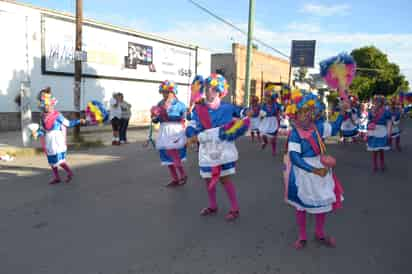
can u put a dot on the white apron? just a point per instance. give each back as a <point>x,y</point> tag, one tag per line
<point>269,125</point>
<point>315,190</point>
<point>254,123</point>
<point>213,151</point>
<point>55,142</point>
<point>171,135</point>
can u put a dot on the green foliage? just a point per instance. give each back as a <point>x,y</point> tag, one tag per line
<point>376,74</point>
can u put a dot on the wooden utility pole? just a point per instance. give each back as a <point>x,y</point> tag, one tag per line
<point>78,64</point>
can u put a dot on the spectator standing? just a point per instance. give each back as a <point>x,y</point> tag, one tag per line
<point>115,116</point>
<point>125,117</point>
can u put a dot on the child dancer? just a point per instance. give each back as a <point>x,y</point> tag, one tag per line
<point>363,122</point>
<point>396,111</point>
<point>349,126</point>
<point>171,139</point>
<point>310,185</point>
<point>213,125</point>
<point>379,132</point>
<point>53,135</point>
<point>255,119</point>
<point>270,116</point>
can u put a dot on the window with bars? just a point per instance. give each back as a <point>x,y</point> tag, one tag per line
<point>252,87</point>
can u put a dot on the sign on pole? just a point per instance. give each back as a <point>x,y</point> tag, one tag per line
<point>25,109</point>
<point>303,53</point>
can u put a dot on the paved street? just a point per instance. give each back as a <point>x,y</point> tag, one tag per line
<point>117,218</point>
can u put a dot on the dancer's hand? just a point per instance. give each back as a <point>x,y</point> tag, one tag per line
<point>83,122</point>
<point>34,134</point>
<point>322,172</point>
<point>192,140</point>
<point>249,113</point>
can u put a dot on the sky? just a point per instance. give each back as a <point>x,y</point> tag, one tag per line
<point>337,26</point>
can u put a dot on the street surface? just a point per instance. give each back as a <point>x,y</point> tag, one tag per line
<point>116,217</point>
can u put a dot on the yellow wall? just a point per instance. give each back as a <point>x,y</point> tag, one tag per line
<point>273,69</point>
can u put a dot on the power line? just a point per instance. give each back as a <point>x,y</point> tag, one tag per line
<point>235,27</point>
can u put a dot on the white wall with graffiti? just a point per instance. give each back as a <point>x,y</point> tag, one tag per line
<point>38,45</point>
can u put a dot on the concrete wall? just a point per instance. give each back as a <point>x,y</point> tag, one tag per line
<point>20,57</point>
<point>225,63</point>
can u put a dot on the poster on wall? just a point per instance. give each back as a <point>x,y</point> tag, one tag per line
<point>115,54</point>
<point>138,54</point>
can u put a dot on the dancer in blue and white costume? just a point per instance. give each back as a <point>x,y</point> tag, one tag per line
<point>363,122</point>
<point>255,119</point>
<point>215,125</point>
<point>270,115</point>
<point>171,138</point>
<point>349,126</point>
<point>379,131</point>
<point>52,133</point>
<point>310,185</point>
<point>396,111</point>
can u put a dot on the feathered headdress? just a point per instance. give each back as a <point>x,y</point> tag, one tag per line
<point>218,82</point>
<point>168,86</point>
<point>47,99</point>
<point>301,99</point>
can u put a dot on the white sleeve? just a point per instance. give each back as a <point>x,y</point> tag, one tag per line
<point>293,146</point>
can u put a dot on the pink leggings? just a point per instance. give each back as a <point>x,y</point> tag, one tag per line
<point>320,224</point>
<point>230,191</point>
<point>66,168</point>
<point>381,158</point>
<point>273,142</point>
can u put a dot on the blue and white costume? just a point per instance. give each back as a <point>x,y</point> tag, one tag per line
<point>378,137</point>
<point>396,119</point>
<point>350,124</point>
<point>363,122</point>
<point>171,135</point>
<point>213,151</point>
<point>269,124</point>
<point>255,119</point>
<point>55,139</point>
<point>306,190</point>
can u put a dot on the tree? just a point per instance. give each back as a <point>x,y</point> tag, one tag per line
<point>300,74</point>
<point>376,75</point>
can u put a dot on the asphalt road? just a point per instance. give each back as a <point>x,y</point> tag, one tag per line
<point>117,218</point>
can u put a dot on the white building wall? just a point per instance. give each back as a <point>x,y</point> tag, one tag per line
<point>13,69</point>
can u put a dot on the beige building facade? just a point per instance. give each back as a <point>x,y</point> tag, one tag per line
<point>266,69</point>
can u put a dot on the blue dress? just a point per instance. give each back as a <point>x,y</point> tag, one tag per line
<point>269,124</point>
<point>307,191</point>
<point>255,119</point>
<point>396,119</point>
<point>171,136</point>
<point>378,137</point>
<point>214,152</point>
<point>350,124</point>
<point>55,139</point>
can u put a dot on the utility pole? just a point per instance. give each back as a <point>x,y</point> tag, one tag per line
<point>249,50</point>
<point>78,64</point>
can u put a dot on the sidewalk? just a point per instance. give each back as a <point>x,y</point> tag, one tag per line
<point>94,136</point>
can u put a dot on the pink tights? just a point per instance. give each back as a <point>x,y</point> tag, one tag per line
<point>230,191</point>
<point>381,158</point>
<point>173,172</point>
<point>273,142</point>
<point>66,168</point>
<point>320,224</point>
